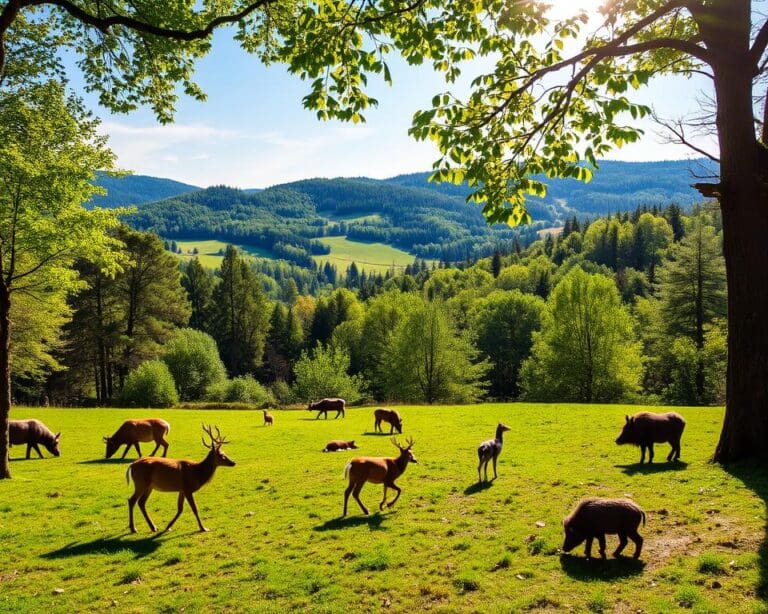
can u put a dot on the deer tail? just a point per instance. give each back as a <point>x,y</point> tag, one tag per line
<point>128,474</point>
<point>347,468</point>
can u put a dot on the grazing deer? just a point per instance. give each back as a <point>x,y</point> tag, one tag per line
<point>33,432</point>
<point>168,475</point>
<point>490,450</point>
<point>131,432</point>
<point>391,416</point>
<point>377,471</point>
<point>269,419</point>
<point>323,406</point>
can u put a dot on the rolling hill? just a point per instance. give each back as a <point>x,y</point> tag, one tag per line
<point>136,190</point>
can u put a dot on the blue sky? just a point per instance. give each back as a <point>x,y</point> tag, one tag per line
<point>253,131</point>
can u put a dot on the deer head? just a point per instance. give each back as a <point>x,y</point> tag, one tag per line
<point>219,458</point>
<point>406,451</point>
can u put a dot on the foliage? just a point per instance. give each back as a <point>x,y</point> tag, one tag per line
<point>243,389</point>
<point>193,360</point>
<point>325,373</point>
<point>585,350</point>
<point>149,385</point>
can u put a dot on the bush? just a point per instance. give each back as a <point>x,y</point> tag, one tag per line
<point>324,374</point>
<point>283,393</point>
<point>149,385</point>
<point>193,359</point>
<point>243,389</point>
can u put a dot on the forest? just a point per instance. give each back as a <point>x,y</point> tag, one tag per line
<point>624,308</point>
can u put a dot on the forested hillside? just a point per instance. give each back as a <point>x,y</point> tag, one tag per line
<point>136,189</point>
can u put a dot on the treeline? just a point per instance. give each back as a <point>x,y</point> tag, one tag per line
<point>626,308</point>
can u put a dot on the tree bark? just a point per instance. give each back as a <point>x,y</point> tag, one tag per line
<point>5,378</point>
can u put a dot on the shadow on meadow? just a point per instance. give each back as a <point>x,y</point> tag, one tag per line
<point>755,477</point>
<point>478,487</point>
<point>108,461</point>
<point>649,468</point>
<point>581,568</point>
<point>373,522</point>
<point>108,545</point>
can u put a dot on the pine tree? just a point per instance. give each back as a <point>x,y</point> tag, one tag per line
<point>198,282</point>
<point>496,263</point>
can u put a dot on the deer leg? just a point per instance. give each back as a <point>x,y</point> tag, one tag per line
<point>165,447</point>
<point>37,449</point>
<point>622,544</point>
<point>495,456</point>
<point>157,446</point>
<point>178,511</point>
<point>397,496</point>
<point>29,450</point>
<point>346,497</point>
<point>356,495</point>
<point>650,453</point>
<point>193,505</point>
<point>642,454</point>
<point>479,465</point>
<point>588,547</point>
<point>601,542</point>
<point>384,500</point>
<point>127,447</point>
<point>131,503</point>
<point>138,449</point>
<point>142,507</point>
<point>635,537</point>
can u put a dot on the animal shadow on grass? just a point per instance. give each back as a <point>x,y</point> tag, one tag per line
<point>379,434</point>
<point>109,461</point>
<point>647,468</point>
<point>754,475</point>
<point>581,568</point>
<point>107,545</point>
<point>373,522</point>
<point>478,487</point>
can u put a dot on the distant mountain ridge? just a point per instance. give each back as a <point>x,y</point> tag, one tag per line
<point>136,190</point>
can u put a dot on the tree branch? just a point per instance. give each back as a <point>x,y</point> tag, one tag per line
<point>760,44</point>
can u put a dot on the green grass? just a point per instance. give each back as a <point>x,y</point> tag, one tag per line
<point>372,257</point>
<point>209,250</point>
<point>277,542</point>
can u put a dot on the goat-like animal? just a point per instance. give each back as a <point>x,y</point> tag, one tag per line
<point>490,450</point>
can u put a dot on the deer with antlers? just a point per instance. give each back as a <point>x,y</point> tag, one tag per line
<point>169,475</point>
<point>377,471</point>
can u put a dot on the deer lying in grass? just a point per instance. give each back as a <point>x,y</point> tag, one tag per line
<point>269,419</point>
<point>168,475</point>
<point>377,471</point>
<point>490,450</point>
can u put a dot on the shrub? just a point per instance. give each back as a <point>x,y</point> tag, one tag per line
<point>243,389</point>
<point>193,360</point>
<point>324,374</point>
<point>149,385</point>
<point>282,392</point>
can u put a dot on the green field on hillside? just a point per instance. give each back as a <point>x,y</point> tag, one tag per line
<point>210,252</point>
<point>277,542</point>
<point>372,257</point>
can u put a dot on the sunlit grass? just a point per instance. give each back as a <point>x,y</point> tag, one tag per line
<point>277,542</point>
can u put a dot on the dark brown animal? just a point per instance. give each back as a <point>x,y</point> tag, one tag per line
<point>377,471</point>
<point>32,433</point>
<point>131,432</point>
<point>594,518</point>
<point>168,475</point>
<point>269,419</point>
<point>490,450</point>
<point>644,429</point>
<point>336,445</point>
<point>325,405</point>
<point>388,415</point>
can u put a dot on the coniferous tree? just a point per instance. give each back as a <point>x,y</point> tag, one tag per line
<point>198,282</point>
<point>496,264</point>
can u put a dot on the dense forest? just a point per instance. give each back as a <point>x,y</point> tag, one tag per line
<point>627,307</point>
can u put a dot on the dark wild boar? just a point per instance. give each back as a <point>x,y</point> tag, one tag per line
<point>323,406</point>
<point>594,518</point>
<point>391,417</point>
<point>645,429</point>
<point>336,445</point>
<point>131,432</point>
<point>32,433</point>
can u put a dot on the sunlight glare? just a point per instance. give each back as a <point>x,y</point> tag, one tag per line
<point>568,8</point>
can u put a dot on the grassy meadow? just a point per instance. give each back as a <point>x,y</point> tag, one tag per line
<point>277,542</point>
<point>209,251</point>
<point>371,257</point>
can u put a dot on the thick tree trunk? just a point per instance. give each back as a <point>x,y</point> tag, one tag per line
<point>5,378</point>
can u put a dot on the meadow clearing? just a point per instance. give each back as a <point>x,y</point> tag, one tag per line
<point>277,542</point>
<point>369,257</point>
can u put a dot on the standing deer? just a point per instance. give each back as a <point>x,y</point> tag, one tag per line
<point>490,450</point>
<point>269,419</point>
<point>377,471</point>
<point>131,432</point>
<point>169,475</point>
<point>323,406</point>
<point>391,416</point>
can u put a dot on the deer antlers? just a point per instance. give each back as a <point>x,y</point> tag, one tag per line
<point>216,441</point>
<point>409,441</point>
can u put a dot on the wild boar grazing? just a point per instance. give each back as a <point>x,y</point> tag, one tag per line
<point>336,445</point>
<point>391,417</point>
<point>644,429</point>
<point>594,518</point>
<point>32,433</point>
<point>131,432</point>
<point>325,405</point>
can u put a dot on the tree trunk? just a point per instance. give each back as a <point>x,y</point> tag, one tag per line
<point>743,193</point>
<point>5,378</point>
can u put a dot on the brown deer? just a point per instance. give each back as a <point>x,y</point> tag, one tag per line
<point>323,406</point>
<point>131,432</point>
<point>391,416</point>
<point>33,432</point>
<point>169,475</point>
<point>269,419</point>
<point>377,471</point>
